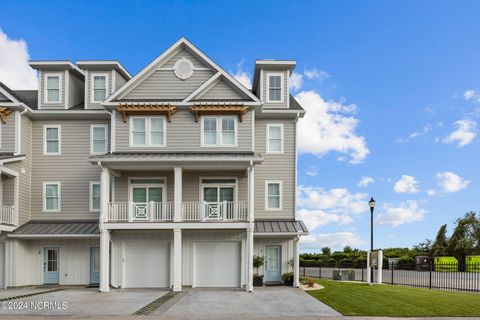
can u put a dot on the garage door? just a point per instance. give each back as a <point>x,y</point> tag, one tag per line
<point>217,264</point>
<point>147,264</point>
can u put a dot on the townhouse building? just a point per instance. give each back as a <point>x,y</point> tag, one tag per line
<point>176,177</point>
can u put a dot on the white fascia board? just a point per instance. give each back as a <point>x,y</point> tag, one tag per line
<point>115,63</point>
<point>176,225</point>
<point>279,234</point>
<point>37,64</point>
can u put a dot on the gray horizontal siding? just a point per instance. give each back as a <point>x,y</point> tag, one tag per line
<point>71,168</point>
<point>7,131</point>
<point>221,91</point>
<point>184,134</point>
<point>275,167</point>
<point>76,90</point>
<point>183,53</point>
<point>163,84</point>
<point>119,80</point>
<point>265,91</point>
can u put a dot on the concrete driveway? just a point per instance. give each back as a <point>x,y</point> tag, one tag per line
<point>80,301</point>
<point>263,303</point>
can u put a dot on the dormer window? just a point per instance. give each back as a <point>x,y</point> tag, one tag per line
<point>99,87</point>
<point>52,88</point>
<point>275,87</point>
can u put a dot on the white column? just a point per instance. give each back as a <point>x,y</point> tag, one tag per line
<point>251,193</point>
<point>104,193</point>
<point>368,267</point>
<point>296,262</point>
<point>380,266</point>
<point>177,259</point>
<point>177,197</point>
<point>104,260</point>
<point>249,259</point>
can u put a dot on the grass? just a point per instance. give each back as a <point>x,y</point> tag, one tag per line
<point>360,299</point>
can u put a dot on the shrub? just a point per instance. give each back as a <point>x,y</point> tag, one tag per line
<point>405,262</point>
<point>346,263</point>
<point>257,262</point>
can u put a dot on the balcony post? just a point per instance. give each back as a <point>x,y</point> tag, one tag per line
<point>177,197</point>
<point>104,194</point>
<point>251,193</point>
<point>249,280</point>
<point>296,262</point>
<point>177,259</point>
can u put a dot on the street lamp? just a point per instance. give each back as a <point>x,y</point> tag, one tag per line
<point>371,204</point>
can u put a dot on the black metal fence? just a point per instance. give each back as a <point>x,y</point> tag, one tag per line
<point>440,276</point>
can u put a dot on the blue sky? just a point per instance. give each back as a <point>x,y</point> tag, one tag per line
<point>393,88</point>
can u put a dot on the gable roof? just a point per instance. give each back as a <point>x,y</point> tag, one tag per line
<point>177,46</point>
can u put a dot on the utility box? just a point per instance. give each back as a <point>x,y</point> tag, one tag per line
<point>446,264</point>
<point>343,275</point>
<point>422,263</point>
<point>472,263</point>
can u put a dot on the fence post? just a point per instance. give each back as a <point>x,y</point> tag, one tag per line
<point>362,273</point>
<point>304,271</point>
<point>392,273</point>
<point>320,272</point>
<point>430,276</point>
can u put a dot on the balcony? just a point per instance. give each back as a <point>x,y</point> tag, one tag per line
<point>190,212</point>
<point>7,215</point>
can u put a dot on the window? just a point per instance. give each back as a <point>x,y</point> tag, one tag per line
<point>273,195</point>
<point>147,131</point>
<point>51,196</point>
<point>94,196</point>
<point>98,139</point>
<point>274,138</point>
<point>219,131</point>
<point>52,88</point>
<point>99,87</point>
<point>51,140</point>
<point>275,87</point>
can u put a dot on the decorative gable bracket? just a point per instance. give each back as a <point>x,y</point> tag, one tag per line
<point>146,108</point>
<point>4,112</point>
<point>218,109</point>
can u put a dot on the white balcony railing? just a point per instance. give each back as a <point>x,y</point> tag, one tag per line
<point>7,215</point>
<point>139,212</point>
<point>215,211</point>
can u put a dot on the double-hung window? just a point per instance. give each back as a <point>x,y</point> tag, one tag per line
<point>147,131</point>
<point>99,87</point>
<point>219,131</point>
<point>273,195</point>
<point>51,140</point>
<point>275,87</point>
<point>98,139</point>
<point>51,196</point>
<point>52,88</point>
<point>95,196</point>
<point>275,138</point>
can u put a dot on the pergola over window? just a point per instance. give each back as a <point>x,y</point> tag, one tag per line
<point>218,109</point>
<point>146,108</point>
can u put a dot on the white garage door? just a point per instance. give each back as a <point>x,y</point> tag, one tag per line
<point>147,264</point>
<point>217,264</point>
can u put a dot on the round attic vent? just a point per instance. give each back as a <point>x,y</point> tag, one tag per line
<point>183,68</point>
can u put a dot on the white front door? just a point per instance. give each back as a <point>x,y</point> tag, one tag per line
<point>217,264</point>
<point>147,264</point>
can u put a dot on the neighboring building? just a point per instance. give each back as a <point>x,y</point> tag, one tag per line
<point>175,177</point>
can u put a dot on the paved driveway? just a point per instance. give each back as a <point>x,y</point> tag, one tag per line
<point>82,301</point>
<point>270,302</point>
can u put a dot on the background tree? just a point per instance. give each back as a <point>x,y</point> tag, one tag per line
<point>326,251</point>
<point>463,240</point>
<point>440,245</point>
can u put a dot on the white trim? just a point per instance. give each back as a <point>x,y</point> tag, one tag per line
<point>280,182</point>
<point>18,134</point>
<point>85,94</point>
<point>253,130</point>
<point>205,85</point>
<point>67,89</point>
<point>172,225</point>
<point>92,87</point>
<point>267,143</point>
<point>90,197</point>
<point>147,185</point>
<point>44,194</point>
<point>262,97</point>
<point>218,185</point>
<point>48,126</point>
<point>60,84</point>
<point>92,127</point>
<point>112,131</point>
<point>148,132</point>
<point>219,141</point>
<point>282,87</point>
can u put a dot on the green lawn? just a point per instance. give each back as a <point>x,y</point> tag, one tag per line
<point>360,299</point>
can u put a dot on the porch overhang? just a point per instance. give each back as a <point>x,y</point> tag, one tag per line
<point>168,160</point>
<point>58,230</point>
<point>279,228</point>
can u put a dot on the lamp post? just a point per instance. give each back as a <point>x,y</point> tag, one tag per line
<point>371,204</point>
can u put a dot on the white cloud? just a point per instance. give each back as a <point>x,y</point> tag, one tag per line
<point>365,181</point>
<point>451,182</point>
<point>464,134</point>
<point>14,69</point>
<point>315,74</point>
<point>405,212</point>
<point>471,95</point>
<point>317,218</point>
<point>312,171</point>
<point>242,76</point>
<point>431,192</point>
<point>406,184</point>
<point>329,126</point>
<point>296,81</point>
<point>336,240</point>
<point>336,200</point>
<point>415,134</point>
